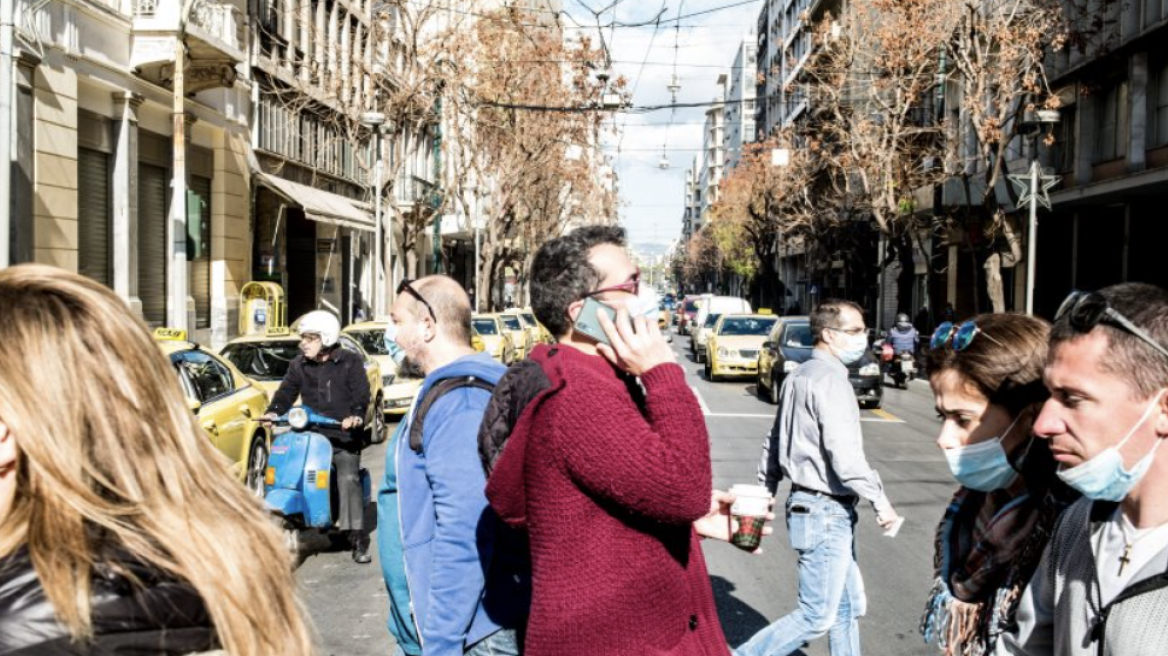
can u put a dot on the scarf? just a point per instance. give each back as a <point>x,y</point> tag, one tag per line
<point>988,545</point>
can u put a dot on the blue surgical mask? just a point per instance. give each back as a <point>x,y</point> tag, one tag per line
<point>853,349</point>
<point>391,346</point>
<point>1103,477</point>
<point>983,466</point>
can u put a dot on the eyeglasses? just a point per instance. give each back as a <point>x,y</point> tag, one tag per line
<point>408,288</point>
<point>959,336</point>
<point>1085,310</point>
<point>631,286</point>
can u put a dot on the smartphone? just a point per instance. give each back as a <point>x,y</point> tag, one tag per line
<point>588,322</point>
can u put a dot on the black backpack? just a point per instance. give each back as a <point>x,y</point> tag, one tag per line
<point>437,391</point>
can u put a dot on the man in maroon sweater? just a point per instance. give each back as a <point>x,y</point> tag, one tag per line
<point>609,476</point>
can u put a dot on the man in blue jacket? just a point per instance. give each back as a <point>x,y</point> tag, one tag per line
<point>454,572</point>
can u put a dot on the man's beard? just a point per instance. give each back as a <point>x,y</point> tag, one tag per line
<point>410,368</point>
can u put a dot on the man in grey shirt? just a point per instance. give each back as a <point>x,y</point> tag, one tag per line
<point>817,443</point>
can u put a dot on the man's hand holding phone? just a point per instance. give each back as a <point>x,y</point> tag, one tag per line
<point>635,345</point>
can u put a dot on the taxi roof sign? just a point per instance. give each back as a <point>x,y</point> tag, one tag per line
<point>765,311</point>
<point>170,334</point>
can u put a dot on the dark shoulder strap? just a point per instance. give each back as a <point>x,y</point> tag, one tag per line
<point>437,391</point>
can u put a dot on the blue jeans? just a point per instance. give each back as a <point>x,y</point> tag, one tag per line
<point>504,642</point>
<point>831,592</point>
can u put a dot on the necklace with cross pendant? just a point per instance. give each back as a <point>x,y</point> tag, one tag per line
<point>1128,544</point>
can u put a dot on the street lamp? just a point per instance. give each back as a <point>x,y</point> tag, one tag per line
<point>1034,188</point>
<point>376,122</point>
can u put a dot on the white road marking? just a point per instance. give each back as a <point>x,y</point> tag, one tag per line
<point>701,401</point>
<point>742,415</point>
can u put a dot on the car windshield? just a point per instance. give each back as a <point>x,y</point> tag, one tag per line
<point>262,360</point>
<point>746,326</point>
<point>711,319</point>
<point>486,326</point>
<point>373,341</point>
<point>512,322</point>
<point>798,335</point>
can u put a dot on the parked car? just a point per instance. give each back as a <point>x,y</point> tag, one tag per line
<point>689,310</point>
<point>790,344</point>
<point>224,401</point>
<point>520,335</point>
<point>265,359</point>
<point>498,341</point>
<point>734,345</point>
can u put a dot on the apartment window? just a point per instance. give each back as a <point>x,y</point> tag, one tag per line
<point>1112,137</point>
<point>1160,108</point>
<point>1064,143</point>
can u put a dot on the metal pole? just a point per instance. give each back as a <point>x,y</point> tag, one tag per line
<point>7,125</point>
<point>1032,237</point>
<point>379,262</point>
<point>177,306</point>
<point>389,244</point>
<point>477,263</point>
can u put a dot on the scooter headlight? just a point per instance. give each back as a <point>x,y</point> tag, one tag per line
<point>298,418</point>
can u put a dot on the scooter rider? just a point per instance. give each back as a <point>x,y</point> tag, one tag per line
<point>332,382</point>
<point>904,336</point>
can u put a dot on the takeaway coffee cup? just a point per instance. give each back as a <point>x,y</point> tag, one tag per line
<point>749,510</point>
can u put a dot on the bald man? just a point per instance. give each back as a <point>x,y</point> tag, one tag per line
<point>457,577</point>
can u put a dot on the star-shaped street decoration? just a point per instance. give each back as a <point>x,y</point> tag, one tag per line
<point>1046,182</point>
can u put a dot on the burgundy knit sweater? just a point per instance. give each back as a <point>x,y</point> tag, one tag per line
<point>608,484</point>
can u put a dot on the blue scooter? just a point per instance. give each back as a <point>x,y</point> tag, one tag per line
<point>298,483</point>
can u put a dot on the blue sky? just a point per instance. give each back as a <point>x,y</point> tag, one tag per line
<point>651,198</point>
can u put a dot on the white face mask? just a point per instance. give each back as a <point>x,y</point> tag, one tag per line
<point>1103,478</point>
<point>853,347</point>
<point>983,466</point>
<point>647,303</point>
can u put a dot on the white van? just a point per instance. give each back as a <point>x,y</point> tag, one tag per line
<point>717,305</point>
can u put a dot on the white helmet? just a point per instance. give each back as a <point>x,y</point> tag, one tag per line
<point>322,323</point>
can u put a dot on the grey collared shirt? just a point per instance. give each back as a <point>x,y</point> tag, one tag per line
<point>816,441</point>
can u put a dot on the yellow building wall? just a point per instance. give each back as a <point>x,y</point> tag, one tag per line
<point>55,157</point>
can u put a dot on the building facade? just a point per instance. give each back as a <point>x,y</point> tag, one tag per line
<point>740,99</point>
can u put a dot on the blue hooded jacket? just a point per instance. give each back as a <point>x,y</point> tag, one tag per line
<point>458,593</point>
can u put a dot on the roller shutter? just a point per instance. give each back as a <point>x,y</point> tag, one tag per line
<point>152,191</point>
<point>94,216</point>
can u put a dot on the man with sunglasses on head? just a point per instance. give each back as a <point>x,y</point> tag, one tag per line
<point>332,381</point>
<point>817,443</point>
<point>1102,585</point>
<point>458,581</point>
<point>603,456</point>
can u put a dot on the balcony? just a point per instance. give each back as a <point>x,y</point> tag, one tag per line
<point>214,34</point>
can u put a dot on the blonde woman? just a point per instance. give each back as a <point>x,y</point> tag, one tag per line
<point>121,530</point>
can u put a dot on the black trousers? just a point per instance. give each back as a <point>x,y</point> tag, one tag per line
<point>350,495</point>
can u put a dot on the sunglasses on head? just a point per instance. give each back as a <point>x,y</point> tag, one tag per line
<point>407,287</point>
<point>1085,310</point>
<point>631,286</point>
<point>957,336</point>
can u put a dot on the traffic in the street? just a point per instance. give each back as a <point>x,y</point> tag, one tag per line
<point>751,591</point>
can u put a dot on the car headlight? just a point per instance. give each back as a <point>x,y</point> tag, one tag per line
<point>724,353</point>
<point>872,369</point>
<point>789,366</point>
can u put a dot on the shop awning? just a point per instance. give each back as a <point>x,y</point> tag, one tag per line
<point>319,205</point>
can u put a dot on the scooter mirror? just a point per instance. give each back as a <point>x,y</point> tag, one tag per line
<point>298,418</point>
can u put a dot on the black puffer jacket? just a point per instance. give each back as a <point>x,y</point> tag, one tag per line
<point>523,382</point>
<point>159,616</point>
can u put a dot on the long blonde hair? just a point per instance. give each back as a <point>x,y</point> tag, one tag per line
<point>109,453</point>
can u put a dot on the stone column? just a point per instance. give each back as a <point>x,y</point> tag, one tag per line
<point>125,197</point>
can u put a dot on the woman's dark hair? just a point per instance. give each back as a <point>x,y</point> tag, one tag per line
<point>561,273</point>
<point>1004,362</point>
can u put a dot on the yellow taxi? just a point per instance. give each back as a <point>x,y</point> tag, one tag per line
<point>398,387</point>
<point>520,335</point>
<point>265,359</point>
<point>224,402</point>
<point>496,337</point>
<point>538,334</point>
<point>733,345</point>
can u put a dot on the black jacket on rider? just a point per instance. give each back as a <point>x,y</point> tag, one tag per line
<point>336,388</point>
<point>135,610</point>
